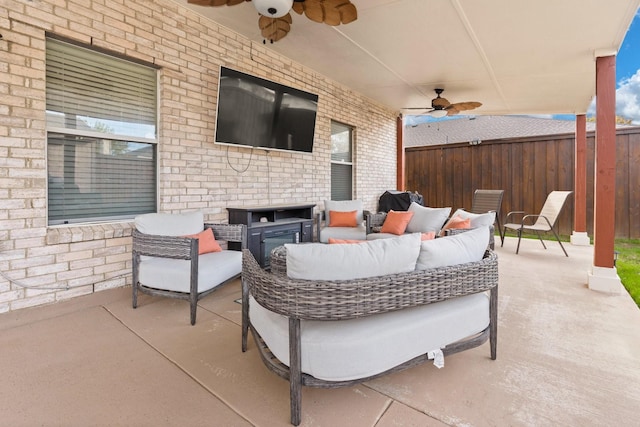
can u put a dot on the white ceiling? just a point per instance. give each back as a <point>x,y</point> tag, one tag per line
<point>514,56</point>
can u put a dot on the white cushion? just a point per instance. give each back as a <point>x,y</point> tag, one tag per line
<point>214,269</point>
<point>426,219</point>
<point>358,348</point>
<point>349,233</point>
<point>166,224</point>
<point>317,261</point>
<point>477,220</point>
<point>451,250</point>
<point>343,206</point>
<point>376,236</point>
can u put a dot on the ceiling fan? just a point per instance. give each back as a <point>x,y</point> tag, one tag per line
<point>441,107</point>
<point>275,19</point>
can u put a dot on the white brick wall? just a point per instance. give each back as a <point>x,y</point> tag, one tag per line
<point>57,263</point>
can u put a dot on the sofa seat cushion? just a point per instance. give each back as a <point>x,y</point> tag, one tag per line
<point>358,348</point>
<point>168,274</point>
<point>347,233</point>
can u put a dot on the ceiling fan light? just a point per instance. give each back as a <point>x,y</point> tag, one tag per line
<point>438,113</point>
<point>273,8</point>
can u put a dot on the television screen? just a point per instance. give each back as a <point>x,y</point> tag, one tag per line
<point>255,112</point>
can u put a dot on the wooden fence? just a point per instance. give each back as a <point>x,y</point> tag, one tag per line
<point>527,169</point>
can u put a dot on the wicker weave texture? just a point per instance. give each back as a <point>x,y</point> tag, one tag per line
<point>348,299</point>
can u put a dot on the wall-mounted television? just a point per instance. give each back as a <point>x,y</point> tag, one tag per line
<point>259,113</point>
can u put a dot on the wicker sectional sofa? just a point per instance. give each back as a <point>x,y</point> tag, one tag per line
<point>305,328</point>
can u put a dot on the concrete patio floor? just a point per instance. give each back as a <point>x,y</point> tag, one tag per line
<point>566,356</point>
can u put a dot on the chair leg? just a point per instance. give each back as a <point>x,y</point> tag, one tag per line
<point>541,241</point>
<point>558,239</point>
<point>519,238</point>
<point>193,302</point>
<point>134,295</point>
<point>500,231</point>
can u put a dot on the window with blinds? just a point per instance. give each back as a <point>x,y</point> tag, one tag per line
<point>341,161</point>
<point>101,135</point>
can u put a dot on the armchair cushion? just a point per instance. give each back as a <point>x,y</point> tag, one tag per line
<point>174,274</point>
<point>450,250</point>
<point>316,261</point>
<point>343,219</point>
<point>165,224</point>
<point>396,222</point>
<point>426,219</point>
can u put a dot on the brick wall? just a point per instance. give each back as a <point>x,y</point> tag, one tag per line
<point>41,264</point>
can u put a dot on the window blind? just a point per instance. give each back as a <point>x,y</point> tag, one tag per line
<point>84,86</point>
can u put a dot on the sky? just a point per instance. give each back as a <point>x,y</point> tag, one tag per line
<point>627,78</point>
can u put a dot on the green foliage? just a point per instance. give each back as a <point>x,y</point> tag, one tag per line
<point>628,266</point>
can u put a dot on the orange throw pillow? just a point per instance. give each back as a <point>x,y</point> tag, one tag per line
<point>428,236</point>
<point>343,219</point>
<point>457,222</point>
<point>396,222</point>
<point>332,241</point>
<point>206,242</point>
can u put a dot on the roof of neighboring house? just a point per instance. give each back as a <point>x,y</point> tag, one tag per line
<point>472,128</point>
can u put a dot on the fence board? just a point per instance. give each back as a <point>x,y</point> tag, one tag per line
<point>527,169</point>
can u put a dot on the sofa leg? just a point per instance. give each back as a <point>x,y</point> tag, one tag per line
<point>295,374</point>
<point>245,313</point>
<point>493,322</point>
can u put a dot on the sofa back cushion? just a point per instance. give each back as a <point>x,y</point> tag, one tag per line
<point>344,206</point>
<point>166,224</point>
<point>317,261</point>
<point>426,219</point>
<point>451,250</point>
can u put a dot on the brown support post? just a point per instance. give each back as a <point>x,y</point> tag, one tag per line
<point>400,179</point>
<point>579,236</point>
<point>603,276</point>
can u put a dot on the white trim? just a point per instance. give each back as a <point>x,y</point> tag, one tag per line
<point>580,238</point>
<point>603,279</point>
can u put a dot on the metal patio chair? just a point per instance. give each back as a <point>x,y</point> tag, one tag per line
<point>544,221</point>
<point>488,201</point>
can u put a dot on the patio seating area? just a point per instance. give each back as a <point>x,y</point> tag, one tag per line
<point>566,356</point>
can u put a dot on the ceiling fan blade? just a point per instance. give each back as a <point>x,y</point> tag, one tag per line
<point>452,111</point>
<point>462,106</point>
<point>348,12</point>
<point>331,12</point>
<point>216,2</point>
<point>275,29</point>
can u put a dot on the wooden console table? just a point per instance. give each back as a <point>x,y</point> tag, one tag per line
<point>272,226</point>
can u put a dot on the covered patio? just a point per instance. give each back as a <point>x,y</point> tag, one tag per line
<point>566,356</point>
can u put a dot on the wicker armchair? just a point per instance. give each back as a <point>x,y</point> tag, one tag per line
<point>170,266</point>
<point>307,300</point>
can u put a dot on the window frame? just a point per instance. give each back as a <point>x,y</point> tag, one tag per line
<point>349,162</point>
<point>61,132</point>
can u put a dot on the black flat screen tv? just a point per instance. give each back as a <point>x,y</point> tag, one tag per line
<point>259,113</point>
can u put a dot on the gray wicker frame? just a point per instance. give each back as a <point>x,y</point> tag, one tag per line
<point>348,299</point>
<point>179,248</point>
